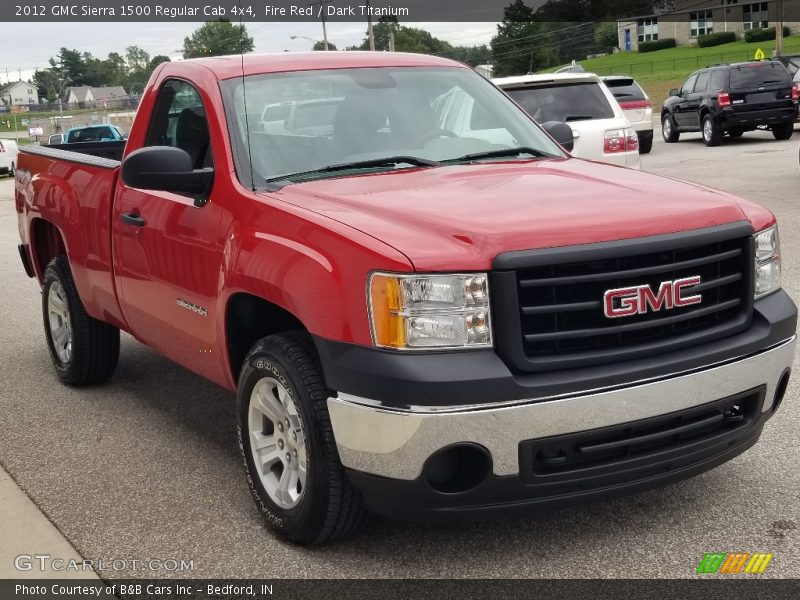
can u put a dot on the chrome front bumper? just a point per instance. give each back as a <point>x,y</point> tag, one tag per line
<point>396,443</point>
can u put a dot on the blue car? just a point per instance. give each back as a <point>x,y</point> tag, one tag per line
<point>93,133</point>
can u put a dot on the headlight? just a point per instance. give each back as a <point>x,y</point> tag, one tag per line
<point>768,261</point>
<point>419,312</point>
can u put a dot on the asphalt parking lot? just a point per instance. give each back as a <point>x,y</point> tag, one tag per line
<point>147,466</point>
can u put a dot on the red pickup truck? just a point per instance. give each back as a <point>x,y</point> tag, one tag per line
<point>425,306</point>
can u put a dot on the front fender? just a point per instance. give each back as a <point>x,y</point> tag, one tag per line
<point>316,270</point>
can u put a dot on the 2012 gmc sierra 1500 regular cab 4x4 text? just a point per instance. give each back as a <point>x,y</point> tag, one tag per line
<point>427,308</point>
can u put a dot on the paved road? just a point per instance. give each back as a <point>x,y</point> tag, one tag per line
<point>147,467</point>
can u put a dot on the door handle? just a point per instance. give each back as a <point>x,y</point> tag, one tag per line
<point>132,219</point>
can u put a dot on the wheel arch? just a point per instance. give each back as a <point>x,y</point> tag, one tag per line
<point>248,318</point>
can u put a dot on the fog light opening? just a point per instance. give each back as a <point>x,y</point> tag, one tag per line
<point>457,468</point>
<point>780,391</point>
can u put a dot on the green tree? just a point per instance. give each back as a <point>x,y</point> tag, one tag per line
<point>137,59</point>
<point>606,36</point>
<point>157,60</point>
<point>69,65</point>
<point>48,82</point>
<point>521,44</point>
<point>320,45</point>
<point>217,38</point>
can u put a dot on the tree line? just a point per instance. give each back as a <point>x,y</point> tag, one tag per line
<point>132,69</point>
<point>526,40</point>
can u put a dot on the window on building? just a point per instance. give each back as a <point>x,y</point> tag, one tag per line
<point>702,22</point>
<point>648,29</point>
<point>755,16</point>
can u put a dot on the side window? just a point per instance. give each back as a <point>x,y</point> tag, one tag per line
<point>179,120</point>
<point>717,80</point>
<point>702,82</point>
<point>689,85</point>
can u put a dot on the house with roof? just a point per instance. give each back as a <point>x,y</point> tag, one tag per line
<point>685,20</point>
<point>19,93</point>
<point>100,97</point>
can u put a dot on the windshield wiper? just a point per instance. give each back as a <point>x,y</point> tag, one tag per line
<point>391,161</point>
<point>569,118</point>
<point>501,153</point>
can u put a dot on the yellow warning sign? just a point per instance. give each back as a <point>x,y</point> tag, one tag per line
<point>760,54</point>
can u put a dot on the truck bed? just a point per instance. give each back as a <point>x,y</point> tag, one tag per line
<point>112,150</point>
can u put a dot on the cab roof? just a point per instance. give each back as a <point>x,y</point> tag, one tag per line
<point>544,79</point>
<point>228,67</point>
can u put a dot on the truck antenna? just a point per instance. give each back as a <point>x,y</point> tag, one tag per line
<point>244,96</point>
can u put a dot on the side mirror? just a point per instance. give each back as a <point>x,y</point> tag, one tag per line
<point>166,169</point>
<point>560,132</point>
<point>674,92</point>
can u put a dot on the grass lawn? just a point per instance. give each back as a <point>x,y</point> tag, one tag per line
<point>659,71</point>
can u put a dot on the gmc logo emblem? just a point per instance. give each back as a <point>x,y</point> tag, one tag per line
<point>637,300</point>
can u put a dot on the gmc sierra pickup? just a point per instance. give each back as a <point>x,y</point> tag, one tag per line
<point>426,307</point>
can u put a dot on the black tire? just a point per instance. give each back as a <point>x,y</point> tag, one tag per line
<point>668,130</point>
<point>646,143</point>
<point>784,131</point>
<point>735,133</point>
<point>13,170</point>
<point>94,349</point>
<point>712,133</point>
<point>330,507</point>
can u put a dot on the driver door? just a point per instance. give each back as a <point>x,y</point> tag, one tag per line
<point>681,108</point>
<point>168,249</point>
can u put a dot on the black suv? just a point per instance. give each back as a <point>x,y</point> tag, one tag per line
<point>732,99</point>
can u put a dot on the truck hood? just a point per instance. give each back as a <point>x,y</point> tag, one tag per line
<point>461,217</point>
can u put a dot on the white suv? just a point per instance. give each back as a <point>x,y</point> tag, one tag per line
<point>599,127</point>
<point>8,157</point>
<point>636,107</point>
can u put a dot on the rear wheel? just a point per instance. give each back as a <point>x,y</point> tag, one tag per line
<point>84,350</point>
<point>668,131</point>
<point>645,143</point>
<point>712,134</point>
<point>783,131</point>
<point>288,446</point>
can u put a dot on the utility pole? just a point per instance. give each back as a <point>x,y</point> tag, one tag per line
<point>323,15</point>
<point>779,28</point>
<point>370,33</point>
<point>391,41</point>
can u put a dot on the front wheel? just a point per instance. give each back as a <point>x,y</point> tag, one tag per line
<point>712,134</point>
<point>783,131</point>
<point>668,131</point>
<point>84,350</point>
<point>288,446</point>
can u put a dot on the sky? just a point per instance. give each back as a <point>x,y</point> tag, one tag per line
<point>34,43</point>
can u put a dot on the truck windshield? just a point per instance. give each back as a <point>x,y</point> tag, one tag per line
<point>301,124</point>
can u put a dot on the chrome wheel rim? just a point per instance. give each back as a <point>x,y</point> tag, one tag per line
<point>277,442</point>
<point>59,322</point>
<point>666,127</point>
<point>707,130</point>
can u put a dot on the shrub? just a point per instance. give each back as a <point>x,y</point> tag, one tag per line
<point>715,39</point>
<point>657,45</point>
<point>762,35</point>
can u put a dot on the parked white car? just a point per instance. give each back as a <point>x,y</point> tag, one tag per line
<point>8,157</point>
<point>636,107</point>
<point>581,100</point>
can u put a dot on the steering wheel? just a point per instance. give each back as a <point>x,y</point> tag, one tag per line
<point>435,134</point>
